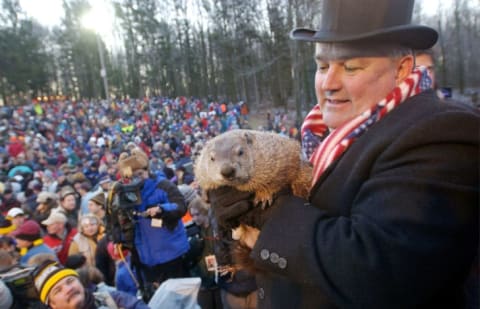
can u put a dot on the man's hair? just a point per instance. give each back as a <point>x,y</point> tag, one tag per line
<point>341,50</point>
<point>90,275</point>
<point>429,52</point>
<point>400,51</point>
<point>198,204</point>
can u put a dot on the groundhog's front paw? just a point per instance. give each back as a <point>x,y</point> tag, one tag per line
<point>263,200</point>
<point>246,235</point>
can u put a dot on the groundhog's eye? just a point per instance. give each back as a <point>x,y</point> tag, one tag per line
<point>212,159</point>
<point>240,152</point>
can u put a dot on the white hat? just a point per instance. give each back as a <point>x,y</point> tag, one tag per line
<point>54,217</point>
<point>15,211</point>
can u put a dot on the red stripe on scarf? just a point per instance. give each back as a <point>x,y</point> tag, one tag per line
<point>335,144</point>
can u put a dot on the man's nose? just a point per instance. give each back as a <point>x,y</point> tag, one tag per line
<point>331,79</point>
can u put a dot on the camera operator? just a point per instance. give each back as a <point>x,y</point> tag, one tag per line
<point>160,240</point>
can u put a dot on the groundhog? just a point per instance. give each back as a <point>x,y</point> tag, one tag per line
<point>253,161</point>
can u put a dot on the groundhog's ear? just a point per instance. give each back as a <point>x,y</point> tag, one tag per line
<point>249,138</point>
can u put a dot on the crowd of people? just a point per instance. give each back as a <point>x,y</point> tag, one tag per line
<point>59,159</point>
<point>100,199</point>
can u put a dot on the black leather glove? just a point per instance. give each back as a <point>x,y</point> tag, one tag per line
<point>229,204</point>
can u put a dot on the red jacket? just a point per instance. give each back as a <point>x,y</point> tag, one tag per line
<point>60,246</point>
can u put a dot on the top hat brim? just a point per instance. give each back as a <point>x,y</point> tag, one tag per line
<point>413,36</point>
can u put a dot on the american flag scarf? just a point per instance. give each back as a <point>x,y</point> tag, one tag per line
<point>322,147</point>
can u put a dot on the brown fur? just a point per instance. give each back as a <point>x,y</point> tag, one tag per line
<point>253,161</point>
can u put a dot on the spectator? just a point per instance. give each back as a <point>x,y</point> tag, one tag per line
<point>91,230</point>
<point>60,288</point>
<point>59,234</point>
<point>6,226</point>
<point>9,200</point>
<point>96,206</point>
<point>46,202</point>
<point>17,216</point>
<point>29,241</point>
<point>92,279</point>
<point>68,204</point>
<point>126,279</point>
<point>207,266</point>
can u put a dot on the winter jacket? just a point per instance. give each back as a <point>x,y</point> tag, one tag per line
<point>392,223</point>
<point>155,243</point>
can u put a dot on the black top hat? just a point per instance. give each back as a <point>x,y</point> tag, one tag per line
<point>369,20</point>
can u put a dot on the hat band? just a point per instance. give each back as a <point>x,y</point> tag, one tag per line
<point>51,281</point>
<point>8,229</point>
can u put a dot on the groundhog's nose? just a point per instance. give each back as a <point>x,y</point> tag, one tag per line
<point>227,171</point>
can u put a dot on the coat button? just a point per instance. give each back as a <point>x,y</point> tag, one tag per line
<point>261,293</point>
<point>264,254</point>
<point>282,263</point>
<point>274,258</point>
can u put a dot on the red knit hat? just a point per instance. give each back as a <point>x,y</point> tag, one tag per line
<point>29,230</point>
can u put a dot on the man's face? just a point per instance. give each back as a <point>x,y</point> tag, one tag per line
<point>18,220</point>
<point>69,202</point>
<point>67,293</point>
<point>347,87</point>
<point>426,61</point>
<point>199,218</point>
<point>140,174</point>
<point>22,243</point>
<point>55,228</point>
<point>93,207</point>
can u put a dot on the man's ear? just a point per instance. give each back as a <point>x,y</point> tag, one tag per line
<point>405,66</point>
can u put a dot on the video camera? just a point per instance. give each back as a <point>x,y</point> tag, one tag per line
<point>20,281</point>
<point>121,202</point>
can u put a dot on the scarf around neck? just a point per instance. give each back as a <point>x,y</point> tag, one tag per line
<point>322,147</point>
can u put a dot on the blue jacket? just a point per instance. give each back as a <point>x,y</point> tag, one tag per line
<point>41,248</point>
<point>158,245</point>
<point>123,279</point>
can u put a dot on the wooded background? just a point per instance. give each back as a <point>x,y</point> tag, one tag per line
<point>229,50</point>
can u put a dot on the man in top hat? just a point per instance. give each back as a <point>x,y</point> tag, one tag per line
<point>392,217</point>
<point>29,240</point>
<point>61,288</point>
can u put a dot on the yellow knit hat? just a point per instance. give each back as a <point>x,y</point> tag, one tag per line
<point>47,275</point>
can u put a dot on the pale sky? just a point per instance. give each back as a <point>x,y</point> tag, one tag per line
<point>50,13</point>
<point>46,12</point>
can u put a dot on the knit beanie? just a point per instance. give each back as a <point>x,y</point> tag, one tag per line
<point>6,226</point>
<point>67,190</point>
<point>99,199</point>
<point>128,163</point>
<point>47,275</point>
<point>29,230</point>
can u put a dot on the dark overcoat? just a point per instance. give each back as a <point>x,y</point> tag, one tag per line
<point>393,223</point>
